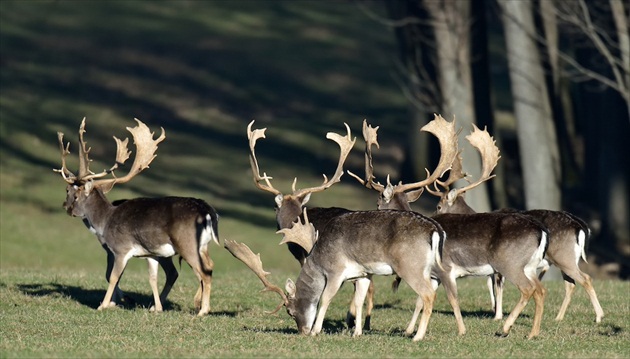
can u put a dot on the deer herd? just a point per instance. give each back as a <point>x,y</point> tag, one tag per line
<point>335,245</point>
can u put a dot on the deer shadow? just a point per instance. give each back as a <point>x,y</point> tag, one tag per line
<point>90,297</point>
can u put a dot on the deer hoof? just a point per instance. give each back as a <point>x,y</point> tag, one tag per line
<point>501,334</point>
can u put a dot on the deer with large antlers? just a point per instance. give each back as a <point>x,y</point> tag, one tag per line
<point>152,228</point>
<point>290,206</point>
<point>567,232</point>
<point>355,246</point>
<point>477,244</point>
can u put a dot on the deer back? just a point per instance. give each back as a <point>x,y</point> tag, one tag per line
<point>373,242</point>
<point>157,225</point>
<point>496,239</point>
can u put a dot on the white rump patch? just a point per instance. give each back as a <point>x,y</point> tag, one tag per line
<point>579,247</point>
<point>537,257</point>
<point>207,234</point>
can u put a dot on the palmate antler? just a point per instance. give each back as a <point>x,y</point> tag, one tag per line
<point>302,234</point>
<point>146,147</point>
<point>345,144</point>
<point>446,135</point>
<point>489,152</point>
<point>242,252</point>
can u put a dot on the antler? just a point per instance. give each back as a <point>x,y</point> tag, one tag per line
<point>345,144</point>
<point>303,235</point>
<point>447,136</point>
<point>486,145</point>
<point>369,134</point>
<point>65,151</point>
<point>440,128</point>
<point>253,136</point>
<point>242,252</point>
<point>146,147</point>
<point>145,153</point>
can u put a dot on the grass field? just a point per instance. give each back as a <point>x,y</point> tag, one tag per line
<point>52,314</point>
<point>203,70</point>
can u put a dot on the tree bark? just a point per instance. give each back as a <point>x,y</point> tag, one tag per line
<point>538,147</point>
<point>451,22</point>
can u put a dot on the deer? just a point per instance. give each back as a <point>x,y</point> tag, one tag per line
<point>479,244</point>
<point>567,235</point>
<point>289,207</point>
<point>355,246</point>
<point>151,228</point>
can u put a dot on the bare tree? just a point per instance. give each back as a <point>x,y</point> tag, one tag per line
<point>539,152</point>
<point>588,23</point>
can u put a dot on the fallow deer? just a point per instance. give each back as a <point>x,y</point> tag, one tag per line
<point>567,233</point>
<point>355,246</point>
<point>478,244</point>
<point>289,207</point>
<point>153,228</point>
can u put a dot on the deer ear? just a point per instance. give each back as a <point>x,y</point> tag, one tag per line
<point>388,192</point>
<point>279,199</point>
<point>451,196</point>
<point>89,185</point>
<point>290,287</point>
<point>306,198</point>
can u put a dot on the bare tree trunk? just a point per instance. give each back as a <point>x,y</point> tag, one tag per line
<point>537,136</point>
<point>451,23</point>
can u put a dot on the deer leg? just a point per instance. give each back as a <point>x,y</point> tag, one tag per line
<point>571,274</point>
<point>361,289</point>
<point>450,286</point>
<point>370,305</point>
<point>153,274</point>
<point>569,287</point>
<point>118,295</point>
<point>118,268</point>
<point>490,282</point>
<point>426,296</point>
<point>499,281</point>
<point>330,290</point>
<point>171,276</point>
<point>207,266</point>
<point>539,300</point>
<point>351,315</point>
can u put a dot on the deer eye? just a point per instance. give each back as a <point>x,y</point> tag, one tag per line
<point>439,207</point>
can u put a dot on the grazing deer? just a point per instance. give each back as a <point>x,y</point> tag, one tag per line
<point>153,228</point>
<point>478,244</point>
<point>355,246</point>
<point>567,232</point>
<point>289,207</point>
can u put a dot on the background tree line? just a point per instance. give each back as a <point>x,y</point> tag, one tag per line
<point>568,66</point>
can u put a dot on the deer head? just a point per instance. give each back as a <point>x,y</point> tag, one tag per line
<point>289,206</point>
<point>80,186</point>
<point>452,201</point>
<point>303,234</point>
<point>399,196</point>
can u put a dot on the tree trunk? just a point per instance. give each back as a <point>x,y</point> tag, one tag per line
<point>537,137</point>
<point>451,22</point>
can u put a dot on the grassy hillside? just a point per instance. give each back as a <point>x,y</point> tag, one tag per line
<point>202,71</point>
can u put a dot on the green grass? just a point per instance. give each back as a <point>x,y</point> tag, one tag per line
<point>53,314</point>
<point>203,70</point>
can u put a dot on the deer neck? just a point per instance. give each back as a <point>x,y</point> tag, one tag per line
<point>96,212</point>
<point>310,284</point>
